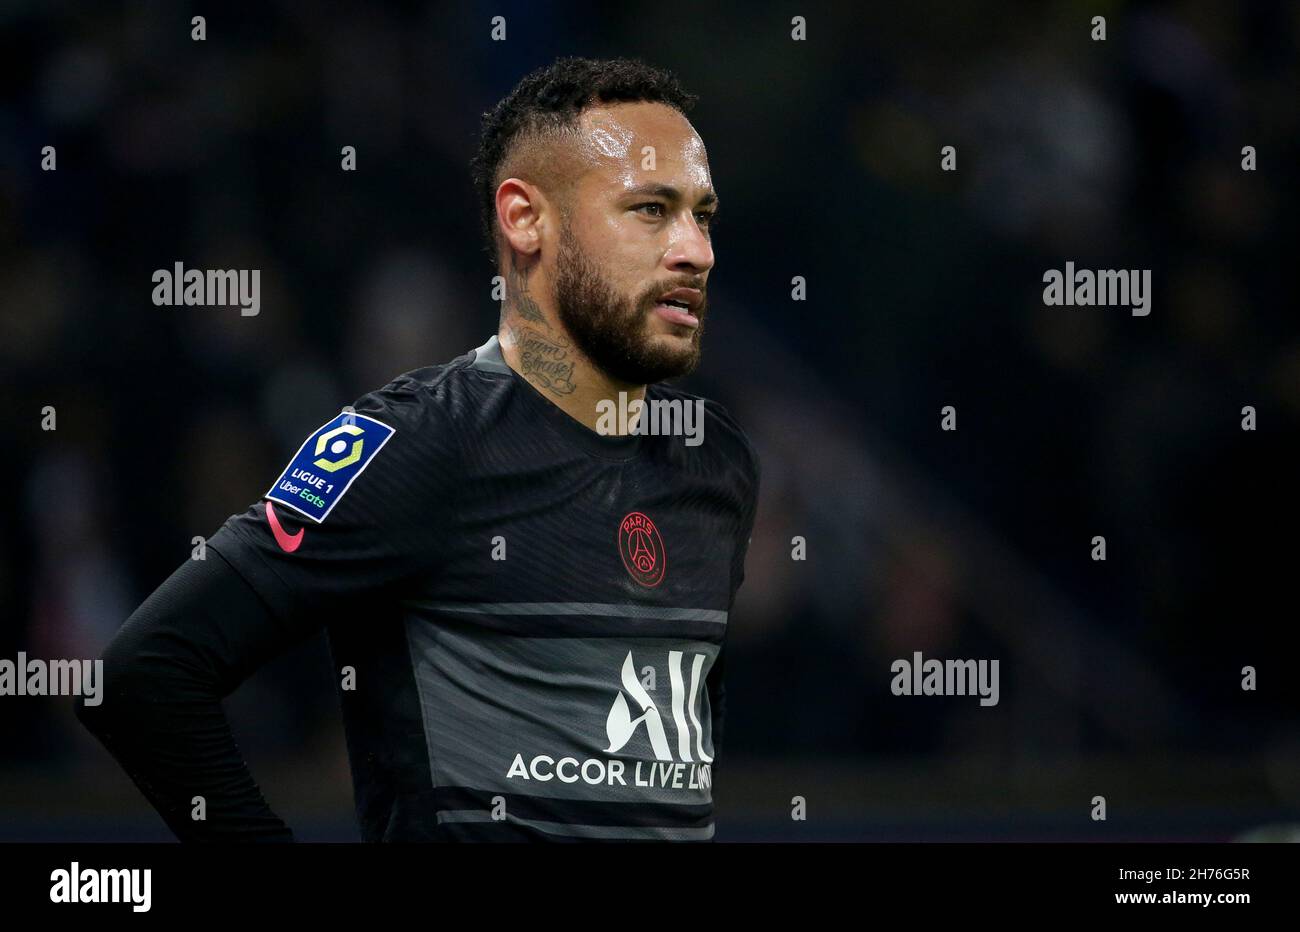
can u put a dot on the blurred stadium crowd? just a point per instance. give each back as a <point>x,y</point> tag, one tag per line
<point>924,290</point>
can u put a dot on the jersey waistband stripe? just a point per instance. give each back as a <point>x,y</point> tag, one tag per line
<point>628,815</point>
<point>651,612</point>
<point>664,833</point>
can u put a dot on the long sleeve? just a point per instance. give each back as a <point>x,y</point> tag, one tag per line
<point>274,575</point>
<point>717,675</point>
<point>200,634</point>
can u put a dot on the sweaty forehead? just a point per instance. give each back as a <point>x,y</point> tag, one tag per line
<point>614,140</point>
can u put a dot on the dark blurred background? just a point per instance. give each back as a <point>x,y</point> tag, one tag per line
<point>1119,678</point>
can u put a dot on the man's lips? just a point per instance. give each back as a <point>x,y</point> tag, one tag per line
<point>670,307</point>
<point>676,315</point>
<point>691,297</point>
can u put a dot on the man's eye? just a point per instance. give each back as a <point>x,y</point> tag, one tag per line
<point>652,204</point>
<point>707,217</point>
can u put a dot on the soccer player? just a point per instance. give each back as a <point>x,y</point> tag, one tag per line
<point>527,611</point>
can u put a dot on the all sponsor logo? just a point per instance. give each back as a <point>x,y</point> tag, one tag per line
<point>676,739</point>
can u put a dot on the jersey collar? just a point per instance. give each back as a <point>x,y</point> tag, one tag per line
<point>488,358</point>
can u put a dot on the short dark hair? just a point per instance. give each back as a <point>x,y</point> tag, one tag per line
<point>551,99</point>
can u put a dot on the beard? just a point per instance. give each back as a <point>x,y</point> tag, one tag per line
<point>613,332</point>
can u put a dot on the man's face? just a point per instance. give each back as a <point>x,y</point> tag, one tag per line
<point>637,230</point>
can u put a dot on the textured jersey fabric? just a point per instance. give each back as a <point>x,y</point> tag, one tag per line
<point>527,618</point>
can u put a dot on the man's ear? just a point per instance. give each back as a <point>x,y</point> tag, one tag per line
<point>518,211</point>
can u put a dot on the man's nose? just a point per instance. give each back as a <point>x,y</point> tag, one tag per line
<point>690,249</point>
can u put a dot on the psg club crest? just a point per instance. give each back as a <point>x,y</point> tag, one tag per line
<point>642,549</point>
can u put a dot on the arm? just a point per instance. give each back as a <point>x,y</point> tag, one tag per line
<point>273,575</point>
<point>716,681</point>
<point>200,634</point>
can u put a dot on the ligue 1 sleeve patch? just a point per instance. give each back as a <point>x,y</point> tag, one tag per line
<point>327,464</point>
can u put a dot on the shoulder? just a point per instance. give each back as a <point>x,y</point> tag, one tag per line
<point>432,402</point>
<point>410,432</point>
<point>418,395</point>
<point>723,438</point>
